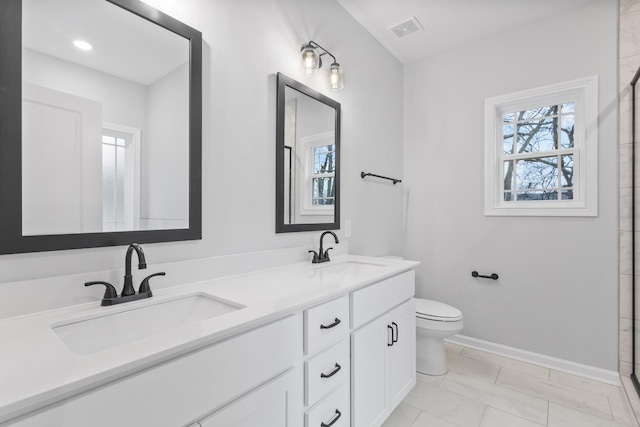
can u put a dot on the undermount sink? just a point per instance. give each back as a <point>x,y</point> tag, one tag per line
<point>349,267</point>
<point>90,335</point>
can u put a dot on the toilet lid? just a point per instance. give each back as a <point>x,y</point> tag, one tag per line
<point>434,310</point>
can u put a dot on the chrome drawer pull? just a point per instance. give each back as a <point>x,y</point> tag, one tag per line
<point>337,417</point>
<point>335,323</point>
<point>332,373</point>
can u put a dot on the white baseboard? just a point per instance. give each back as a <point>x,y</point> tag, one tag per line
<point>585,371</point>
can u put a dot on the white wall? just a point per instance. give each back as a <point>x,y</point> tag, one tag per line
<point>123,101</point>
<point>165,149</point>
<point>246,44</point>
<point>557,293</point>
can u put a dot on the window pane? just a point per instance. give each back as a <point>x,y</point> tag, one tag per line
<point>508,174</point>
<point>120,185</point>
<point>323,190</point>
<point>567,194</point>
<point>120,142</point>
<point>324,159</point>
<point>322,202</point>
<point>508,118</point>
<point>567,108</point>
<point>507,139</point>
<point>533,113</point>
<point>537,173</point>
<point>108,140</point>
<point>537,195</point>
<point>108,182</point>
<point>538,135</point>
<point>567,171</point>
<point>508,197</point>
<point>566,133</point>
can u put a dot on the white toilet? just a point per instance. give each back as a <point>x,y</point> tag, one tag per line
<point>434,322</point>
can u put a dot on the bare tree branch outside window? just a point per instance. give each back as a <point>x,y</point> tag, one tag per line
<point>538,153</point>
<point>324,187</point>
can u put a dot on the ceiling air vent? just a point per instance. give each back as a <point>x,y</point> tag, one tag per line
<point>407,27</point>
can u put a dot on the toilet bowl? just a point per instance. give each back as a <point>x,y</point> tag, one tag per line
<point>434,322</point>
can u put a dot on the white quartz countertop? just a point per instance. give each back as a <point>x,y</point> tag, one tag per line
<point>38,369</point>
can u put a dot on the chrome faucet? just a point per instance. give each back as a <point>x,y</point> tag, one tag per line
<point>128,292</point>
<point>322,255</point>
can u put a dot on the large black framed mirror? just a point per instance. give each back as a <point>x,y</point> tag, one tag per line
<point>99,146</point>
<point>307,159</point>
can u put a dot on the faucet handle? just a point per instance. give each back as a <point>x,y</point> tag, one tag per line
<point>315,257</point>
<point>144,286</point>
<point>326,254</point>
<point>109,292</point>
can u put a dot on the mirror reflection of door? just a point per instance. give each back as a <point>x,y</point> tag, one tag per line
<point>61,167</point>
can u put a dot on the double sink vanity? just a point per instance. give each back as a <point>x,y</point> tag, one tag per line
<point>325,344</point>
<point>330,344</point>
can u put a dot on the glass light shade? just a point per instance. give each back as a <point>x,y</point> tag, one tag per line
<point>310,59</point>
<point>335,78</point>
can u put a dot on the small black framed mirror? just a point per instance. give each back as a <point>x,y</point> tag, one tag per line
<point>100,139</point>
<point>307,159</point>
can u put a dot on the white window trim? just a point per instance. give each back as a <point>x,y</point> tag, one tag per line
<point>584,92</point>
<point>309,142</point>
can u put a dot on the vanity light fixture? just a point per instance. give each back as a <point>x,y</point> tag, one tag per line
<point>82,45</point>
<point>312,60</point>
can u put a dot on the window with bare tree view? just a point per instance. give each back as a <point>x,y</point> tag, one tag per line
<point>541,151</point>
<point>323,178</point>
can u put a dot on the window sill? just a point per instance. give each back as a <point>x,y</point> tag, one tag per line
<point>560,210</point>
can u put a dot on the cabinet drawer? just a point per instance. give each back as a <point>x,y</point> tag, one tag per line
<point>334,409</point>
<point>326,371</point>
<point>372,301</point>
<point>325,324</point>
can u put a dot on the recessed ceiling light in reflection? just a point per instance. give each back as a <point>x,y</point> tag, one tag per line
<point>82,45</point>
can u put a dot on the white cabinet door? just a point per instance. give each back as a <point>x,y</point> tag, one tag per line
<point>402,354</point>
<point>275,404</point>
<point>369,377</point>
<point>383,365</point>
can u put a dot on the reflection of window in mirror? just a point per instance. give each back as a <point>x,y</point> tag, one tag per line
<point>319,190</point>
<point>120,178</point>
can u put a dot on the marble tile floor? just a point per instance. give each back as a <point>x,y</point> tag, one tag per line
<point>486,390</point>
